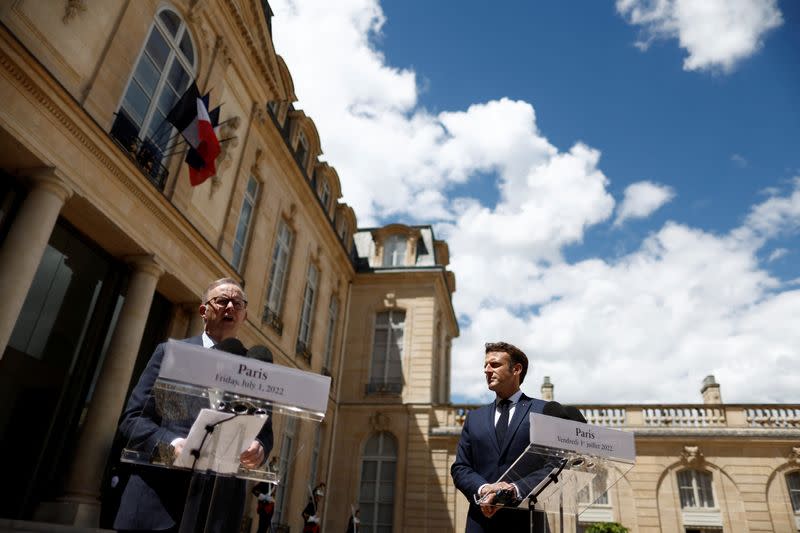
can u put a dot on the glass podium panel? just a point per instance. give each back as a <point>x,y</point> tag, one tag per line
<point>568,467</point>
<point>219,403</point>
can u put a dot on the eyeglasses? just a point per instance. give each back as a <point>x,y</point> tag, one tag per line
<point>222,302</point>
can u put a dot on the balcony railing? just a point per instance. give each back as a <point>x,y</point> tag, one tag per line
<point>273,320</point>
<point>145,153</point>
<point>384,387</point>
<point>663,416</point>
<point>303,351</point>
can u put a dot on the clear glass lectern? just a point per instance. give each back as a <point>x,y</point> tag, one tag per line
<point>204,408</point>
<point>567,471</point>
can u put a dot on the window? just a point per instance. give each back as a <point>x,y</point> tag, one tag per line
<point>330,338</point>
<point>277,274</point>
<point>595,492</point>
<point>695,489</point>
<point>302,151</point>
<point>394,251</point>
<point>793,482</point>
<point>284,462</point>
<point>387,352</point>
<point>164,71</point>
<point>243,227</point>
<point>376,494</point>
<point>312,480</point>
<point>325,194</point>
<point>307,314</point>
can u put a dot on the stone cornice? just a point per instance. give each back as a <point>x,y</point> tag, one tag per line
<point>750,433</point>
<point>254,52</point>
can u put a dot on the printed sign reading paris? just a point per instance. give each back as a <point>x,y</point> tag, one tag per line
<point>195,365</point>
<point>582,438</point>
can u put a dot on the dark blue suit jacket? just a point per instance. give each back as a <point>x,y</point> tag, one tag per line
<point>481,459</point>
<point>155,498</point>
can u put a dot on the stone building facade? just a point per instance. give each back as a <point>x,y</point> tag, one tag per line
<point>105,249</point>
<point>700,468</point>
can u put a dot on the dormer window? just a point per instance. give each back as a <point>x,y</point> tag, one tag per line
<point>302,150</point>
<point>394,251</point>
<point>325,194</point>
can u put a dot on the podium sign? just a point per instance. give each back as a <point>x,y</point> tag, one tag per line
<point>275,384</point>
<point>582,438</point>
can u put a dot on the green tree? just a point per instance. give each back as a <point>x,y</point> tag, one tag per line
<point>606,527</point>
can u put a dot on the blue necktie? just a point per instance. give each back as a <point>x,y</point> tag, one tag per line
<point>501,428</point>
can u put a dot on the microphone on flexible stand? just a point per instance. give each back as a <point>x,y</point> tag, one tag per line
<point>574,414</point>
<point>555,409</point>
<point>231,345</point>
<point>260,352</point>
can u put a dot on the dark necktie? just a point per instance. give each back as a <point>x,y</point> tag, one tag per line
<point>501,427</point>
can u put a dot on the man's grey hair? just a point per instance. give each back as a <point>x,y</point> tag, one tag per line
<point>222,281</point>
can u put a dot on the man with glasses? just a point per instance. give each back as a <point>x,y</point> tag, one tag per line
<point>154,498</point>
<point>492,438</point>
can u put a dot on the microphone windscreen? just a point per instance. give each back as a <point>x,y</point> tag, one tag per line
<point>231,345</point>
<point>262,353</point>
<point>573,413</point>
<point>554,409</point>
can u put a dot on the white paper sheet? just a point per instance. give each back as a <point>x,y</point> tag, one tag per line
<point>221,450</point>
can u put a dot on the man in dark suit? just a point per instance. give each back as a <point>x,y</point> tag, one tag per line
<point>154,498</point>
<point>492,438</point>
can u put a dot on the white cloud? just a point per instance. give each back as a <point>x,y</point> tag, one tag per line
<point>642,199</point>
<point>776,254</point>
<point>647,326</point>
<point>739,160</point>
<point>716,33</point>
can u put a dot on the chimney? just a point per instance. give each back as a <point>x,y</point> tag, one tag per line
<point>547,390</point>
<point>710,390</point>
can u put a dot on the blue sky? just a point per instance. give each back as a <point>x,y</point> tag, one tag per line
<point>618,182</point>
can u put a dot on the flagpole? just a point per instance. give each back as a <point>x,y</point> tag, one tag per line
<point>190,147</point>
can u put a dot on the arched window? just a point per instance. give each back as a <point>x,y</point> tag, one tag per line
<point>376,495</point>
<point>165,69</point>
<point>394,251</point>
<point>695,489</point>
<point>793,483</point>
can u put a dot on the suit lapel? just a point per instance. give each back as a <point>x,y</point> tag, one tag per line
<point>520,413</point>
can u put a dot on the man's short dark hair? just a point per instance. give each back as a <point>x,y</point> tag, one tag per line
<point>222,281</point>
<point>515,355</point>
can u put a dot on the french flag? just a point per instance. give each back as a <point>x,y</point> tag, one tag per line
<point>191,117</point>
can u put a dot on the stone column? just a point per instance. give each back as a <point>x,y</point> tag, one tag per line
<point>25,245</point>
<point>82,491</point>
<point>196,323</point>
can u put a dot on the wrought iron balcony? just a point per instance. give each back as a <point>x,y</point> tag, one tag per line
<point>304,351</point>
<point>384,387</point>
<point>145,153</point>
<point>273,320</point>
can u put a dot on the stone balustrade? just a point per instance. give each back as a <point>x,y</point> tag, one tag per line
<point>643,416</point>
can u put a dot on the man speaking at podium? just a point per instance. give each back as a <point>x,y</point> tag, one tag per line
<point>154,498</point>
<point>492,438</point>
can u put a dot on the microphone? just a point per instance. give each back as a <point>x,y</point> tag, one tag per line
<point>260,352</point>
<point>231,345</point>
<point>555,409</point>
<point>574,414</point>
